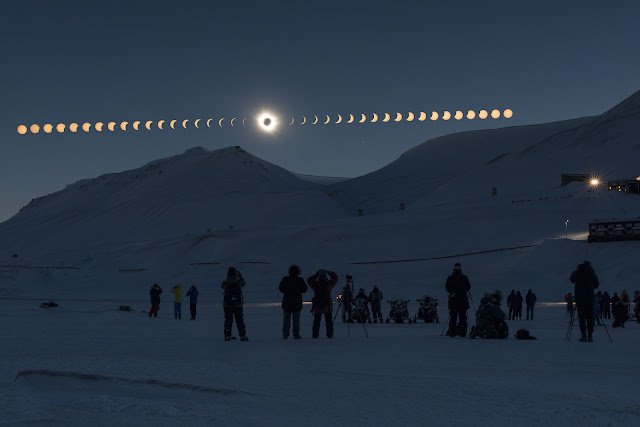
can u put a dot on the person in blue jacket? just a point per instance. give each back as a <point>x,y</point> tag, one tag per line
<point>192,293</point>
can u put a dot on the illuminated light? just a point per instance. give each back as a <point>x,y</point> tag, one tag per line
<point>315,121</point>
<point>339,119</point>
<point>471,114</point>
<point>375,118</point>
<point>160,123</point>
<point>47,128</point>
<point>136,125</point>
<point>86,127</point>
<point>111,126</point>
<point>61,127</point>
<point>410,117</point>
<point>304,120</point>
<point>434,116</point>
<point>594,181</point>
<point>172,124</point>
<point>184,123</point>
<point>232,121</point>
<point>73,127</point>
<point>398,117</point>
<point>123,125</point>
<point>292,120</point>
<point>483,114</point>
<point>507,113</point>
<point>446,115</point>
<point>34,128</point>
<point>363,118</point>
<point>495,114</point>
<point>423,116</point>
<point>267,122</point>
<point>328,120</point>
<point>148,124</point>
<point>387,117</point>
<point>458,115</point>
<point>196,123</point>
<point>22,129</point>
<point>98,126</point>
<point>351,118</point>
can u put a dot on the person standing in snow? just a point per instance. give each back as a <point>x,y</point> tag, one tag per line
<point>347,301</point>
<point>597,308</point>
<point>530,299</point>
<point>511,304</point>
<point>586,280</point>
<point>606,305</point>
<point>177,301</point>
<point>519,300</point>
<point>375,296</point>
<point>458,286</point>
<point>232,303</point>
<point>292,288</point>
<point>192,293</point>
<point>624,297</point>
<point>322,282</point>
<point>155,292</point>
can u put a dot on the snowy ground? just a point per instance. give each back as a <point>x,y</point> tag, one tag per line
<point>400,375</point>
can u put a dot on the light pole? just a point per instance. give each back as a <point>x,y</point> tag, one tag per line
<point>566,229</point>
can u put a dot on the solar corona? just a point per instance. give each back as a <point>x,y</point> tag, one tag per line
<point>268,122</point>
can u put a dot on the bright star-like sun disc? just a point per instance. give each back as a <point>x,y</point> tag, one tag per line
<point>267,122</point>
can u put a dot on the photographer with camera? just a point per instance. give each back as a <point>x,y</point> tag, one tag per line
<point>232,303</point>
<point>347,300</point>
<point>322,282</point>
<point>292,288</point>
<point>458,286</point>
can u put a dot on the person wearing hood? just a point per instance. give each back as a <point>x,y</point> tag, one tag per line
<point>292,288</point>
<point>322,282</point>
<point>375,297</point>
<point>192,293</point>
<point>518,303</point>
<point>620,314</point>
<point>232,304</point>
<point>585,280</point>
<point>177,301</point>
<point>490,319</point>
<point>458,286</point>
<point>511,304</point>
<point>530,299</point>
<point>636,307</point>
<point>155,292</point>
<point>624,297</point>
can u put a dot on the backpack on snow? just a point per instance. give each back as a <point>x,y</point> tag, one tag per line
<point>523,334</point>
<point>233,296</point>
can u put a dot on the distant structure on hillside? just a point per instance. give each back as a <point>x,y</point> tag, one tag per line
<point>626,185</point>
<point>568,178</point>
<point>611,230</point>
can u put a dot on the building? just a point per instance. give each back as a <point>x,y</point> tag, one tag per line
<point>568,178</point>
<point>612,230</point>
<point>626,185</point>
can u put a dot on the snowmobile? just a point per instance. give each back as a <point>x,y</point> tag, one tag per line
<point>428,310</point>
<point>360,311</point>
<point>399,312</point>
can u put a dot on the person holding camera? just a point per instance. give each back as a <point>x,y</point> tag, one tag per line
<point>292,288</point>
<point>585,279</point>
<point>322,282</point>
<point>458,286</point>
<point>155,292</point>
<point>232,303</point>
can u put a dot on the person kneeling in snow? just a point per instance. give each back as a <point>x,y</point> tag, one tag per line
<point>620,314</point>
<point>490,318</point>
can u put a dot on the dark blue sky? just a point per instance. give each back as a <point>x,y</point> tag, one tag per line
<point>69,61</point>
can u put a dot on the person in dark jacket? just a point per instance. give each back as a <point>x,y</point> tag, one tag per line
<point>347,302</point>
<point>614,299</point>
<point>519,300</point>
<point>375,296</point>
<point>292,288</point>
<point>192,293</point>
<point>232,303</point>
<point>620,314</point>
<point>322,282</point>
<point>511,304</point>
<point>530,299</point>
<point>458,286</point>
<point>155,292</point>
<point>490,318</point>
<point>586,281</point>
<point>606,305</point>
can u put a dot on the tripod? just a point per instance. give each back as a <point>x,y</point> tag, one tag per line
<point>348,307</point>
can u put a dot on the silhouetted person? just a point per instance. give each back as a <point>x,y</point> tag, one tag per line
<point>322,283</point>
<point>586,281</point>
<point>530,299</point>
<point>375,296</point>
<point>192,293</point>
<point>292,288</point>
<point>155,292</point>
<point>457,286</point>
<point>232,303</point>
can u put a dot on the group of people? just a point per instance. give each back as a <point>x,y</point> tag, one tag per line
<point>360,302</point>
<point>490,318</point>
<point>514,304</point>
<point>606,306</point>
